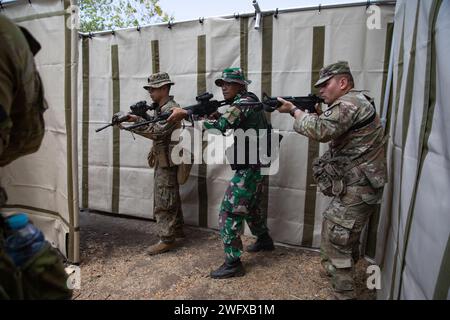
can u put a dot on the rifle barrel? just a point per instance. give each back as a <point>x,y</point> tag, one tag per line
<point>104,127</point>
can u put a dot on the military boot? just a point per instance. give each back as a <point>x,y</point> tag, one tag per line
<point>228,270</point>
<point>344,295</point>
<point>263,243</point>
<point>160,247</point>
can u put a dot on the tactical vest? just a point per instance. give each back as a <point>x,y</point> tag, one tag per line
<point>334,173</point>
<point>255,119</point>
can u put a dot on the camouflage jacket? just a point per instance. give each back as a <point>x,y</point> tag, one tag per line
<point>240,118</point>
<point>21,95</point>
<point>161,134</point>
<point>363,146</point>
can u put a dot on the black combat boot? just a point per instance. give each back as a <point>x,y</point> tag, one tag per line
<point>263,243</point>
<point>228,270</point>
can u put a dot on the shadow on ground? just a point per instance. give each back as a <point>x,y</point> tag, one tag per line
<point>115,266</point>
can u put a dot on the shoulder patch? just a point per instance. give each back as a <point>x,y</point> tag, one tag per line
<point>327,113</point>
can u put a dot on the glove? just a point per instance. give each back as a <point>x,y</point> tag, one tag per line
<point>119,117</point>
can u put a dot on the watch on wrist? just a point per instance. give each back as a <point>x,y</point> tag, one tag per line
<point>292,112</point>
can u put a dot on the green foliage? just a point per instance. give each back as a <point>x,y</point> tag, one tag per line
<point>100,15</point>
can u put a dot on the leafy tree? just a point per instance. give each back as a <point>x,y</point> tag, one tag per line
<point>100,15</point>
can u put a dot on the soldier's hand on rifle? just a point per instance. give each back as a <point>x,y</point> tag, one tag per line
<point>288,107</point>
<point>118,116</point>
<point>215,115</point>
<point>177,115</point>
<point>132,118</point>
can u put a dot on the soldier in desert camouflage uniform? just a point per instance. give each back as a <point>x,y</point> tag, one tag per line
<point>167,203</point>
<point>352,171</point>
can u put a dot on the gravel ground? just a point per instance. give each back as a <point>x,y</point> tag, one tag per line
<point>115,266</point>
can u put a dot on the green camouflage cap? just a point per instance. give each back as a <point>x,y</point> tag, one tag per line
<point>157,80</point>
<point>232,75</point>
<point>331,70</point>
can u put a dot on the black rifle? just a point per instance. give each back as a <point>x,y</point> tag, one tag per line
<point>204,107</point>
<point>139,109</point>
<point>270,104</point>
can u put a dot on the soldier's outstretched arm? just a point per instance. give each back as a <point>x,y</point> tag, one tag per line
<point>229,120</point>
<point>158,130</point>
<point>178,114</point>
<point>331,124</point>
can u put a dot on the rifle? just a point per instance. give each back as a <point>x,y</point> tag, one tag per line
<point>139,109</point>
<point>270,104</point>
<point>204,107</point>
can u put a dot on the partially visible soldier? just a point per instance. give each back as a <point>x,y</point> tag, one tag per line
<point>167,203</point>
<point>22,129</point>
<point>352,171</point>
<point>242,198</point>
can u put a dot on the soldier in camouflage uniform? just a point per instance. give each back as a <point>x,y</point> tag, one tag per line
<point>352,171</point>
<point>167,204</point>
<point>22,129</point>
<point>243,196</point>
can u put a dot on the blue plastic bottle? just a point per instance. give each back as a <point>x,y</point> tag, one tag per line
<point>25,239</point>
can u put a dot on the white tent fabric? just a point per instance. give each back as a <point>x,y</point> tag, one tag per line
<point>414,244</point>
<point>44,184</point>
<point>282,58</point>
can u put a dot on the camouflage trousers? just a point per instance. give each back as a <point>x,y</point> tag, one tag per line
<point>344,219</point>
<point>241,203</point>
<point>167,203</point>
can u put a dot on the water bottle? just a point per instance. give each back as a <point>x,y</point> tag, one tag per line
<point>24,239</point>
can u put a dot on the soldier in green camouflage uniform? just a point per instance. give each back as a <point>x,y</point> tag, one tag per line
<point>352,171</point>
<point>243,196</point>
<point>22,129</point>
<point>167,203</point>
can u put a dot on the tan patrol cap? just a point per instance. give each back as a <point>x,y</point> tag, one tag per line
<point>157,80</point>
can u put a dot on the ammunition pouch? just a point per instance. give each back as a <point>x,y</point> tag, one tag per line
<point>329,174</point>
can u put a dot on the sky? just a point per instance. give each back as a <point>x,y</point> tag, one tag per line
<point>193,9</point>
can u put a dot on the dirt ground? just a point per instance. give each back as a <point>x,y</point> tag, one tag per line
<point>115,266</point>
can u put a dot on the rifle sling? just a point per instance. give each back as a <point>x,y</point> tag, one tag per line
<point>363,123</point>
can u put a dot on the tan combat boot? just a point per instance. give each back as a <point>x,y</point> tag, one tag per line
<point>343,285</point>
<point>160,247</point>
